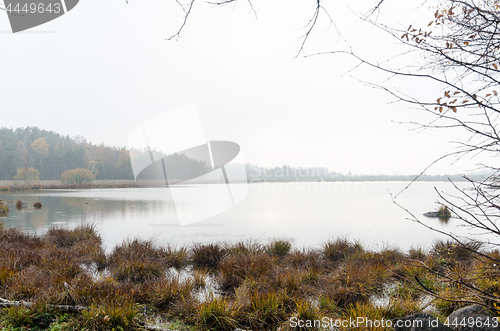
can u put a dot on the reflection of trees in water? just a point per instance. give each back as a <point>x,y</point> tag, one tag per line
<point>98,210</point>
<point>444,220</point>
<point>40,218</point>
<point>64,211</point>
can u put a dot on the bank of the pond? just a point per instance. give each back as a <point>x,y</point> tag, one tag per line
<point>7,186</point>
<point>220,286</point>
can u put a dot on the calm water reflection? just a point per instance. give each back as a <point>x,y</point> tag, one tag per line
<point>309,213</point>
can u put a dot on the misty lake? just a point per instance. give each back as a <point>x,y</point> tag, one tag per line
<point>309,213</point>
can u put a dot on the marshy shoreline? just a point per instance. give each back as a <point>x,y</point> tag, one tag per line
<point>10,185</point>
<point>221,286</point>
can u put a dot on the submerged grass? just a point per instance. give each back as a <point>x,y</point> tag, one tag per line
<point>222,286</point>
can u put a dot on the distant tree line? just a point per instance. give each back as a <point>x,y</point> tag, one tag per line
<point>287,172</point>
<point>25,150</point>
<point>52,154</point>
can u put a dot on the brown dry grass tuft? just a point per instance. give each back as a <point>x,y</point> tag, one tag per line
<point>207,256</point>
<point>137,261</point>
<point>341,248</point>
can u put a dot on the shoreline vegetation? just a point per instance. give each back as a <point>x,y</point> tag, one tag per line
<point>224,286</point>
<point>11,185</point>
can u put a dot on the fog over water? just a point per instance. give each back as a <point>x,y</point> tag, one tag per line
<point>308,213</point>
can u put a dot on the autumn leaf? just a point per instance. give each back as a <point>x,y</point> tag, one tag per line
<point>447,94</point>
<point>494,65</point>
<point>495,93</point>
<point>488,95</point>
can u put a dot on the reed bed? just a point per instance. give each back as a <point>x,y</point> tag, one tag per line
<point>217,286</point>
<point>8,186</point>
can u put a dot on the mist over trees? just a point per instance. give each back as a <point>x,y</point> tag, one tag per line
<point>287,172</point>
<point>52,154</point>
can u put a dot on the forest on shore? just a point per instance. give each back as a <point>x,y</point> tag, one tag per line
<point>52,154</point>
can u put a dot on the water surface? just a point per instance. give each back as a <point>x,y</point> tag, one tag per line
<point>307,213</point>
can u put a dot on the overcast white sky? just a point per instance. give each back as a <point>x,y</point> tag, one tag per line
<point>106,66</point>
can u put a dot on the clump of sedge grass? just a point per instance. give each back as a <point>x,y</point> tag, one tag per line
<point>87,291</point>
<point>66,238</point>
<point>4,209</point>
<point>444,213</point>
<point>308,313</point>
<point>416,253</point>
<point>137,261</point>
<point>199,278</point>
<point>82,243</point>
<point>327,305</point>
<point>402,305</point>
<point>137,271</point>
<point>176,257</point>
<point>207,256</point>
<point>165,292</point>
<point>264,312</point>
<point>354,283</point>
<point>454,252</point>
<point>279,248</point>
<point>111,316</point>
<point>367,314</point>
<point>289,280</point>
<point>306,259</point>
<point>215,314</point>
<point>235,269</point>
<point>21,204</point>
<point>6,275</point>
<point>340,248</point>
<point>244,248</point>
<point>36,317</point>
<point>17,316</point>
